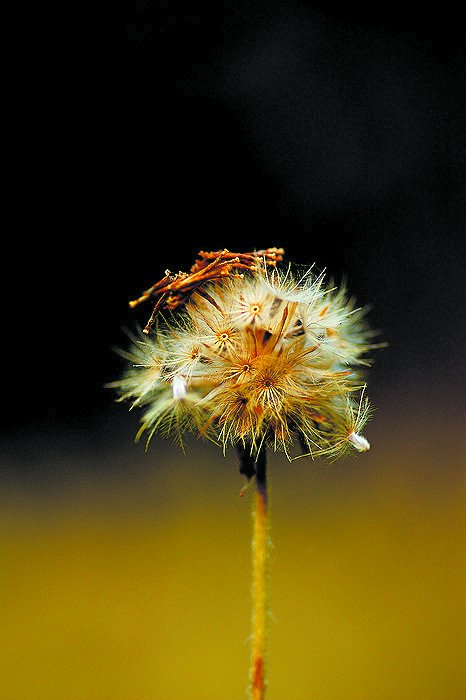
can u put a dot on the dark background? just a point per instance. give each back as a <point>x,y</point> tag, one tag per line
<point>336,133</point>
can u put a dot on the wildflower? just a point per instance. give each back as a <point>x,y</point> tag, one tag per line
<point>256,356</point>
<point>252,355</point>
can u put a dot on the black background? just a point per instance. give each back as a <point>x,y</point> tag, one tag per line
<point>144,137</point>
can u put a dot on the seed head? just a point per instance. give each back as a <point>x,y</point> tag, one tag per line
<point>261,357</point>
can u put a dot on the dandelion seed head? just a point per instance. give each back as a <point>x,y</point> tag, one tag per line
<point>266,357</point>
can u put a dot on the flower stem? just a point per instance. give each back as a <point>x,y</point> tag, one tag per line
<point>259,583</point>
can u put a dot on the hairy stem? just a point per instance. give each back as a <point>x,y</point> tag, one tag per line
<point>259,582</point>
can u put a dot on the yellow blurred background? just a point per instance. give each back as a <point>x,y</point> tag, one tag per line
<point>126,574</point>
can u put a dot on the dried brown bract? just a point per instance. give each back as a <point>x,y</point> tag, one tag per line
<point>173,290</point>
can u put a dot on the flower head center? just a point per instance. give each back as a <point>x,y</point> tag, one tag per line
<point>224,338</point>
